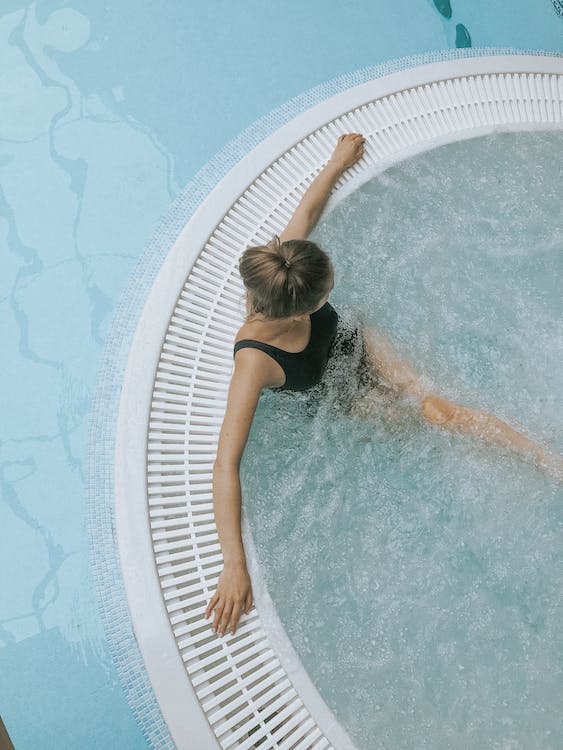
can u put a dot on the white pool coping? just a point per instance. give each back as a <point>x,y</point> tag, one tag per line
<point>178,371</point>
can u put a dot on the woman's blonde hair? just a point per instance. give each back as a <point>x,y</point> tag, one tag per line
<point>285,278</point>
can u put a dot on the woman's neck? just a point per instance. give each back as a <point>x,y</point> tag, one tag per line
<point>264,319</point>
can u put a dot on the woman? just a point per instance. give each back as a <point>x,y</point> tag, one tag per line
<point>285,343</point>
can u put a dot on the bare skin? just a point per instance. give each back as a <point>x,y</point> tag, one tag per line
<point>386,362</point>
<point>254,370</point>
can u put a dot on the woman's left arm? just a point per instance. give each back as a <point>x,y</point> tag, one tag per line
<point>349,149</point>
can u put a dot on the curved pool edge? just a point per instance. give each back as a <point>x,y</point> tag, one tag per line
<point>101,519</point>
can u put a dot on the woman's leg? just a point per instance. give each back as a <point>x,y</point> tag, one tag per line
<point>389,365</point>
<point>463,419</point>
<point>387,362</point>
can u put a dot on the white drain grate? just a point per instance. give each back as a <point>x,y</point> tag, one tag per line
<point>245,695</point>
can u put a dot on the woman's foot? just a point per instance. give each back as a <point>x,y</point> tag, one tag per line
<point>551,462</point>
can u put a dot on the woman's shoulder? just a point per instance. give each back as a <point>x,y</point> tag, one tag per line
<point>246,331</point>
<point>255,359</point>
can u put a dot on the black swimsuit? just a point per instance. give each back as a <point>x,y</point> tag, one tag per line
<point>351,371</point>
<point>328,340</point>
<point>303,369</point>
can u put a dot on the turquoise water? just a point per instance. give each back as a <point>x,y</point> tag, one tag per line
<point>417,572</point>
<point>108,112</point>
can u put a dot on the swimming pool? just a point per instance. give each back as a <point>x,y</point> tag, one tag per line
<point>180,410</point>
<point>417,572</point>
<point>117,121</point>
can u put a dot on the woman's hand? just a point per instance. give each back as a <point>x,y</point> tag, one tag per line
<point>349,149</point>
<point>232,596</point>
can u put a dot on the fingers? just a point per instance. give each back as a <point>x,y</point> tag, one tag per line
<point>227,613</point>
<point>248,602</point>
<point>218,614</point>
<point>222,618</point>
<point>234,618</point>
<point>349,149</point>
<point>212,602</point>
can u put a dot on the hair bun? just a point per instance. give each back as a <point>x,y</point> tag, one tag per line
<point>286,263</point>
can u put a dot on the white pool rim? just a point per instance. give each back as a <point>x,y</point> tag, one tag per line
<point>178,370</point>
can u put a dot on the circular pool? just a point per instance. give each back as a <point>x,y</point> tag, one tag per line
<point>252,689</point>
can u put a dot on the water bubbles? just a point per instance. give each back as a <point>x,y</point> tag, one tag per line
<point>426,564</point>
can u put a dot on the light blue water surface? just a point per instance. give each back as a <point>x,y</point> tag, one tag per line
<point>418,572</point>
<point>106,112</point>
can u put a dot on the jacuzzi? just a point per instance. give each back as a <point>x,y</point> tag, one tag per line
<point>250,689</point>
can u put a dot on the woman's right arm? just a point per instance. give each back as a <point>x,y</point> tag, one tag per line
<point>233,593</point>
